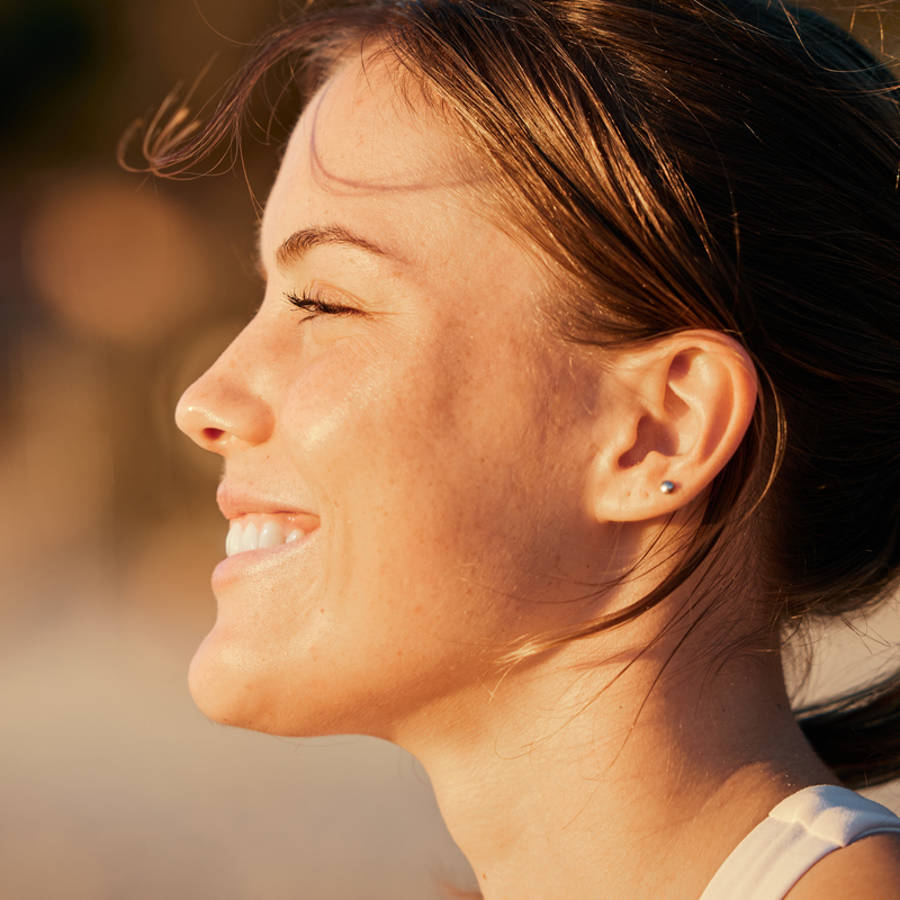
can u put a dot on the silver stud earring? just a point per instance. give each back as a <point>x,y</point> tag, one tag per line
<point>667,487</point>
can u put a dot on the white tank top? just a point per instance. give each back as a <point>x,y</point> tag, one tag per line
<point>797,833</point>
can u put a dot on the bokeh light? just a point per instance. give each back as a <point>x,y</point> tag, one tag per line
<point>116,259</point>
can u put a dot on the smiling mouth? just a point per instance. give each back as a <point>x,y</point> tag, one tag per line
<point>260,531</point>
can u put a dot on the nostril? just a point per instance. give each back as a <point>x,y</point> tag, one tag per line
<point>218,415</point>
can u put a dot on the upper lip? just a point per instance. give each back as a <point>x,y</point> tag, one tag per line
<point>235,501</point>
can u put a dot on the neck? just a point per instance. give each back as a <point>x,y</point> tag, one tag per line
<point>560,785</point>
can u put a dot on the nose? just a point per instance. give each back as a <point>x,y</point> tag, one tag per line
<point>220,410</point>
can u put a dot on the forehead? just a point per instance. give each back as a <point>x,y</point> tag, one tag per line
<point>369,152</point>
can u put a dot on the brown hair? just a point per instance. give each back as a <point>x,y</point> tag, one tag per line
<point>727,164</point>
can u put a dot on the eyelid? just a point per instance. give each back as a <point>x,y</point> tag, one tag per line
<point>312,300</point>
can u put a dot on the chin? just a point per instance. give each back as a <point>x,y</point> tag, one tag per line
<point>236,685</point>
<point>227,688</point>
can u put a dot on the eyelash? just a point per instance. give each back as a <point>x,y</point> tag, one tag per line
<point>317,306</point>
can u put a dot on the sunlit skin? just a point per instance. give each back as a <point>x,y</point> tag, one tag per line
<point>425,432</point>
<point>470,477</point>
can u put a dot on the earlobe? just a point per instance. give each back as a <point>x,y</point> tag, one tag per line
<point>680,408</point>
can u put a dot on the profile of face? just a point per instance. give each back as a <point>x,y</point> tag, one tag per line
<point>421,440</point>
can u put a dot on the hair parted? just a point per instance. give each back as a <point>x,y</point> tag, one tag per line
<point>721,164</point>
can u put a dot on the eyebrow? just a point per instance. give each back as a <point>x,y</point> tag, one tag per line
<point>294,248</point>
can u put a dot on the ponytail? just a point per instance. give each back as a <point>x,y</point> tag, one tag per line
<point>858,735</point>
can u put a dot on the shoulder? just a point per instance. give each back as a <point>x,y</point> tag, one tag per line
<point>867,869</point>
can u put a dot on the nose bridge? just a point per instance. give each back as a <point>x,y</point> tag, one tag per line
<point>225,405</point>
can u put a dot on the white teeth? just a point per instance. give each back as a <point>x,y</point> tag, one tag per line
<point>252,536</point>
<point>271,535</point>
<point>233,541</point>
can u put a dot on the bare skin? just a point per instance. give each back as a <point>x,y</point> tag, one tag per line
<point>463,477</point>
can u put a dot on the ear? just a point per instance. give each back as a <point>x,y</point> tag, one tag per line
<point>676,411</point>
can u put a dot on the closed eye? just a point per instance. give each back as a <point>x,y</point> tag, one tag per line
<point>318,306</point>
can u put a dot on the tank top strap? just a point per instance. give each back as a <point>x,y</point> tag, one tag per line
<point>797,833</point>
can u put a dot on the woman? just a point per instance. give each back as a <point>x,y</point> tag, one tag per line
<point>574,386</point>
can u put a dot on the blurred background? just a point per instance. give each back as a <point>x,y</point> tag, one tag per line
<point>116,291</point>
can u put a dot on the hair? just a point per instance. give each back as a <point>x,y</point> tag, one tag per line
<point>719,164</point>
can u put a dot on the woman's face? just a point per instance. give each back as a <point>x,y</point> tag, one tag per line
<point>429,441</point>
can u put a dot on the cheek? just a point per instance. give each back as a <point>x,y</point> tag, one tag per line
<point>376,431</point>
<point>429,405</point>
<point>434,458</point>
<point>359,404</point>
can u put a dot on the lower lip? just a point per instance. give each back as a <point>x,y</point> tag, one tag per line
<point>240,565</point>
